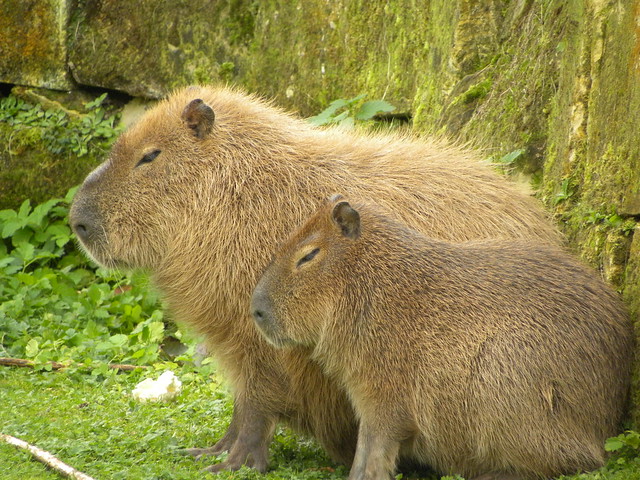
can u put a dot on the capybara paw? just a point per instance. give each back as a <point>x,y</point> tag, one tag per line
<point>199,452</point>
<point>221,446</point>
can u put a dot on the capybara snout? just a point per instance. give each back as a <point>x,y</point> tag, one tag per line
<point>87,223</point>
<point>263,316</point>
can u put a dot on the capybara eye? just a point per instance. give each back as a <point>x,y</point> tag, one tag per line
<point>308,257</point>
<point>148,157</point>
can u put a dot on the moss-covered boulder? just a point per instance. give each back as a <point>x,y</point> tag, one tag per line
<point>306,54</point>
<point>33,46</point>
<point>146,48</point>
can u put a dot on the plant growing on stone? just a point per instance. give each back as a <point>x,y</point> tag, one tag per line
<point>62,130</point>
<point>347,112</point>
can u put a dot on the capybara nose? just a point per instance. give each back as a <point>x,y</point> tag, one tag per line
<point>259,316</point>
<point>80,229</point>
<point>83,227</point>
<point>85,223</point>
<point>261,307</point>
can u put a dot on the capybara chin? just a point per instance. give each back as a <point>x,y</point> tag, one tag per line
<point>500,359</point>
<point>205,186</point>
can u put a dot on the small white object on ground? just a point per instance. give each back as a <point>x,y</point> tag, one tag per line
<point>165,388</point>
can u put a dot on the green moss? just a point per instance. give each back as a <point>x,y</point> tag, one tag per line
<point>631,295</point>
<point>308,54</point>
<point>521,72</point>
<point>240,24</point>
<point>476,92</point>
<point>161,46</point>
<point>33,43</point>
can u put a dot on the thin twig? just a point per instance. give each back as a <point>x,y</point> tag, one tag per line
<point>29,95</point>
<point>46,458</point>
<point>20,362</point>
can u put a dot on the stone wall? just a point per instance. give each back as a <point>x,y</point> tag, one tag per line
<point>33,43</point>
<point>549,86</point>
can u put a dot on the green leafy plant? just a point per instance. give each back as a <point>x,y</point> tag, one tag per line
<point>626,444</point>
<point>610,221</point>
<point>347,112</point>
<point>567,189</point>
<point>507,162</point>
<point>62,130</point>
<point>626,450</point>
<point>55,306</point>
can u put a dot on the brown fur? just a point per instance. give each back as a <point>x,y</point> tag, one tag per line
<point>234,175</point>
<point>504,359</point>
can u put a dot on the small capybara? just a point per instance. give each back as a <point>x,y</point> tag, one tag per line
<point>205,186</point>
<point>490,359</point>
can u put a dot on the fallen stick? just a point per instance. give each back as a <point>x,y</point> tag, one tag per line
<point>20,362</point>
<point>46,458</point>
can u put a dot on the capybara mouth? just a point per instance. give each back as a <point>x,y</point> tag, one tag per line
<point>276,338</point>
<point>98,255</point>
<point>282,342</point>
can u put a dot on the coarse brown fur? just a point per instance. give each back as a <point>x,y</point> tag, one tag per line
<point>204,187</point>
<point>504,359</point>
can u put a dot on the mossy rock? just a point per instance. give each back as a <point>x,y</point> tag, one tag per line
<point>33,43</point>
<point>150,49</point>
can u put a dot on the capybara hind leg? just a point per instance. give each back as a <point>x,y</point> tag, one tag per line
<point>376,455</point>
<point>251,447</point>
<point>498,476</point>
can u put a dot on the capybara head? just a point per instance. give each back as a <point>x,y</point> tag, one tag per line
<point>298,292</point>
<point>131,204</point>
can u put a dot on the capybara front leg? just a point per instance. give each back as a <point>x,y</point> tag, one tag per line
<point>227,440</point>
<point>376,455</point>
<point>251,447</point>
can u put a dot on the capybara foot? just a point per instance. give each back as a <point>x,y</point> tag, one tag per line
<point>250,453</point>
<point>200,452</point>
<point>222,445</point>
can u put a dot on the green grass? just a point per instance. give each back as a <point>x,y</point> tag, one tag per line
<point>92,424</point>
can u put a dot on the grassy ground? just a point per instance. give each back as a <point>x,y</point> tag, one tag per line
<point>91,423</point>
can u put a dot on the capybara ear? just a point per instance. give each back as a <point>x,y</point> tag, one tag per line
<point>199,117</point>
<point>348,219</point>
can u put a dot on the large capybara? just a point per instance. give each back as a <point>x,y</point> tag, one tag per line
<point>498,359</point>
<point>205,186</point>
